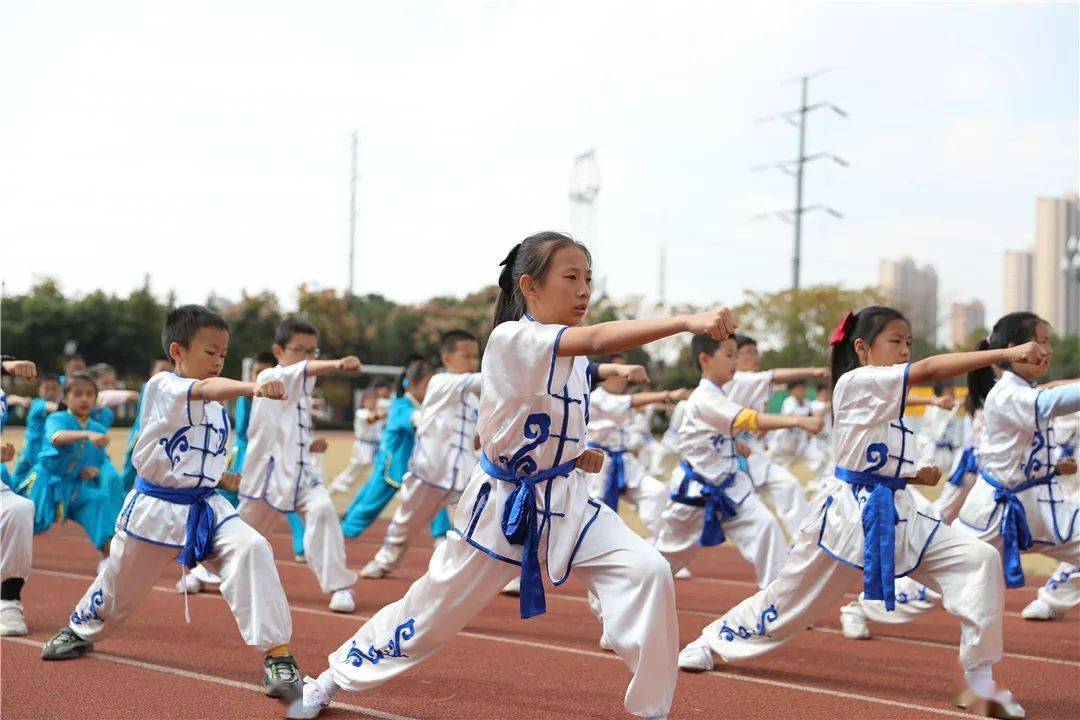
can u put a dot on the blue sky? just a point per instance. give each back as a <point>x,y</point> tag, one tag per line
<point>207,143</point>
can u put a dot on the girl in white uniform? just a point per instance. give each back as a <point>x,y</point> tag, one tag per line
<point>368,422</point>
<point>527,503</point>
<point>612,430</point>
<point>1018,503</point>
<point>173,512</point>
<point>867,523</point>
<point>752,388</point>
<point>711,497</point>
<point>445,452</point>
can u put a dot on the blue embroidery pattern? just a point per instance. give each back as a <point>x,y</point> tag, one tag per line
<point>215,442</point>
<point>768,615</point>
<point>538,430</point>
<point>877,454</point>
<point>1034,465</point>
<point>403,632</point>
<point>81,617</point>
<point>1055,581</point>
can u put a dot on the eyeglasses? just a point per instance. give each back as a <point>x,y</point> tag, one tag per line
<point>303,352</point>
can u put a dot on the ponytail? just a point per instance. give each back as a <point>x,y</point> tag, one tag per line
<point>416,369</point>
<point>1013,329</point>
<point>531,257</point>
<point>864,325</point>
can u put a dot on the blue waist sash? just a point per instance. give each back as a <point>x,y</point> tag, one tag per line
<point>520,527</point>
<point>1014,530</point>
<point>1067,450</point>
<point>199,539</point>
<point>879,520</point>
<point>616,479</point>
<point>718,506</point>
<point>969,463</point>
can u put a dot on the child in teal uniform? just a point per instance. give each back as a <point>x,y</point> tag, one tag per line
<point>63,483</point>
<point>392,460</point>
<point>161,364</point>
<point>47,401</point>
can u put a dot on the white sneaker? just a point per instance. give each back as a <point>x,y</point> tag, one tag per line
<point>302,559</point>
<point>1037,609</point>
<point>205,576</point>
<point>342,601</point>
<point>605,644</point>
<point>684,574</point>
<point>12,620</point>
<point>853,622</point>
<point>696,657</point>
<point>512,588</point>
<point>310,703</point>
<point>192,584</point>
<point>374,570</point>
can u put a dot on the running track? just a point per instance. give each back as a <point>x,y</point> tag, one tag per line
<point>156,666</point>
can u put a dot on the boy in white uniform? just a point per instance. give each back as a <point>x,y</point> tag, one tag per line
<point>789,445</point>
<point>445,452</point>
<point>712,498</point>
<point>173,511</point>
<point>752,388</point>
<point>279,476</point>
<point>16,527</point>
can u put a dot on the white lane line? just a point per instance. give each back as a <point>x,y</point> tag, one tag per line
<point>577,599</point>
<point>106,657</point>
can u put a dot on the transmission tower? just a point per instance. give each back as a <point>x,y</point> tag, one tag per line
<point>584,189</point>
<point>794,168</point>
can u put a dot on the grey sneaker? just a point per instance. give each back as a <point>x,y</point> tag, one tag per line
<point>281,677</point>
<point>66,645</point>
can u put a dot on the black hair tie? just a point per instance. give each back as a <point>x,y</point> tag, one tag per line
<point>506,277</point>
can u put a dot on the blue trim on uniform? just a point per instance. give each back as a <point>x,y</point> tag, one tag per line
<point>555,357</point>
<point>190,387</point>
<point>577,545</point>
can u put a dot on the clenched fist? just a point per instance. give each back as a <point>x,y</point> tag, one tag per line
<point>350,363</point>
<point>926,476</point>
<point>270,389</point>
<point>717,324</point>
<point>318,445</point>
<point>591,460</point>
<point>229,481</point>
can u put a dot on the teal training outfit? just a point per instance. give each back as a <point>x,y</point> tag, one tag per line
<point>109,479</point>
<point>56,488</point>
<point>32,441</point>
<point>128,474</point>
<point>391,462</point>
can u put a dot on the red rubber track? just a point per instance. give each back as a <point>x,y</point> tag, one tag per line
<point>156,666</point>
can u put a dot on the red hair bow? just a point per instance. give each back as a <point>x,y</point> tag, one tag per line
<point>840,333</point>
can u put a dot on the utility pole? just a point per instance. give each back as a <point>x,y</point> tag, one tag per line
<point>795,167</point>
<point>352,216</point>
<point>584,190</point>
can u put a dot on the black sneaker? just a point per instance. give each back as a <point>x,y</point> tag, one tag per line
<point>66,645</point>
<point>281,677</point>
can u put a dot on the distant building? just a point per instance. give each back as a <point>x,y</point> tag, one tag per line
<point>964,319</point>
<point>1016,292</point>
<point>1056,275</point>
<point>913,290</point>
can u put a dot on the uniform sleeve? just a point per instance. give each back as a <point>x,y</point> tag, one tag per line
<point>522,361</point>
<point>400,417</point>
<point>790,406</point>
<point>472,384</point>
<point>166,407</point>
<point>54,423</point>
<point>37,412</point>
<point>295,377</point>
<point>756,388</point>
<point>1062,400</point>
<point>720,412</point>
<point>870,395</point>
<point>609,406</point>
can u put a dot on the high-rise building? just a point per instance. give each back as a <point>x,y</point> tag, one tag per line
<point>913,290</point>
<point>964,319</point>
<point>1016,293</point>
<point>1056,274</point>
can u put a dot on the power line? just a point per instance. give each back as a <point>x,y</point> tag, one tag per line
<point>794,168</point>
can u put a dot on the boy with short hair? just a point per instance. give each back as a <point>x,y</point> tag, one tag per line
<point>278,475</point>
<point>174,513</point>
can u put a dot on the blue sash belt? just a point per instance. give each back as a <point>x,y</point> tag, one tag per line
<point>968,464</point>
<point>879,520</point>
<point>520,527</point>
<point>616,479</point>
<point>718,506</point>
<point>199,539</point>
<point>1014,530</point>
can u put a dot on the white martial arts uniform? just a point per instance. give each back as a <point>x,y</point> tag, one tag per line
<point>873,447</point>
<point>182,449</point>
<point>16,525</point>
<point>1062,589</point>
<point>442,461</point>
<point>963,473</point>
<point>532,426</point>
<point>711,498</point>
<point>940,437</point>
<point>819,457</point>
<point>366,444</point>
<point>611,429</point>
<point>280,476</point>
<point>774,484</point>
<point>790,444</point>
<point>666,452</point>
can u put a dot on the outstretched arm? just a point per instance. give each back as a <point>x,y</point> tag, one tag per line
<point>621,335</point>
<point>782,376</point>
<point>224,389</point>
<point>949,365</point>
<point>812,424</point>
<point>642,399</point>
<point>350,363</point>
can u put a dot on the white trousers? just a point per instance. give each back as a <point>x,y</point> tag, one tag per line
<point>1062,589</point>
<point>420,503</point>
<point>350,474</point>
<point>783,492</point>
<point>754,531</point>
<point>631,579</point>
<point>16,535</point>
<point>965,571</point>
<point>242,558</point>
<point>324,544</point>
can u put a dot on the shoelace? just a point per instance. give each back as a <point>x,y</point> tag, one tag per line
<point>284,669</point>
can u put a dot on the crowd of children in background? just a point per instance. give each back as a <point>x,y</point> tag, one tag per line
<point>530,445</point>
